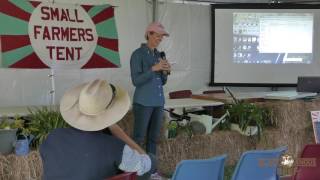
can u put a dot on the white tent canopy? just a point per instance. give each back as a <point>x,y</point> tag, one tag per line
<point>189,46</point>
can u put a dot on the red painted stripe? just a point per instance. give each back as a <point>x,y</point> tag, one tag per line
<point>86,7</point>
<point>97,61</point>
<point>35,3</point>
<point>10,42</point>
<point>109,43</point>
<point>31,61</point>
<point>103,15</point>
<point>10,9</point>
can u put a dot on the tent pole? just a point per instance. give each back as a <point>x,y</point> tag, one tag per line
<point>154,10</point>
<point>52,91</point>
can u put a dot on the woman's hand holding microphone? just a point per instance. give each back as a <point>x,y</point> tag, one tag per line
<point>163,66</point>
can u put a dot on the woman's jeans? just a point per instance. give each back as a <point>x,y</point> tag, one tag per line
<point>147,122</point>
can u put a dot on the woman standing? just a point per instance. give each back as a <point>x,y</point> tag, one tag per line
<point>149,73</point>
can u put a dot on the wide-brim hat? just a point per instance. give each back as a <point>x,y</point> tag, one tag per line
<point>94,106</point>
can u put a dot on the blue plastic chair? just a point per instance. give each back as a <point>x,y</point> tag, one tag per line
<point>206,169</point>
<point>258,165</point>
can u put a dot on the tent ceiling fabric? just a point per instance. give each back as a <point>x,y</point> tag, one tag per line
<point>254,1</point>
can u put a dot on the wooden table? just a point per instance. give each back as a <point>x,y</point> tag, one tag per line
<point>190,102</point>
<point>225,98</point>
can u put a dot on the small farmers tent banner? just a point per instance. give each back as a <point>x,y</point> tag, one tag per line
<point>55,35</point>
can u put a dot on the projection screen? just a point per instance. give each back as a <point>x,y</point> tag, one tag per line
<point>264,44</point>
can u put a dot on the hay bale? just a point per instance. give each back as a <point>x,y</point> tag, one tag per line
<point>294,125</point>
<point>172,151</point>
<point>292,116</point>
<point>294,129</point>
<point>127,124</point>
<point>14,167</point>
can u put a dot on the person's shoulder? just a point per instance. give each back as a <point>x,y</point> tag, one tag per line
<point>137,51</point>
<point>59,131</point>
<point>114,140</point>
<point>136,55</point>
<point>54,136</point>
<point>69,131</point>
<point>142,49</point>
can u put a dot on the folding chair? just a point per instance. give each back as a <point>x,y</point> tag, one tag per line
<point>258,164</point>
<point>212,169</point>
<point>308,163</point>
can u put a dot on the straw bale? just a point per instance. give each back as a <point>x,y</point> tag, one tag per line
<point>294,129</point>
<point>294,125</point>
<point>273,138</point>
<point>14,167</point>
<point>127,124</point>
<point>292,116</point>
<point>172,151</point>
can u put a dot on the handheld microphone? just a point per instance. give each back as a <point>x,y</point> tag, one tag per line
<point>163,56</point>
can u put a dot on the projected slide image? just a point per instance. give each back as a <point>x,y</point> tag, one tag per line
<point>272,38</point>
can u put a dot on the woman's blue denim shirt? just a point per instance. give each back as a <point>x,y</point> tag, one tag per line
<point>149,91</point>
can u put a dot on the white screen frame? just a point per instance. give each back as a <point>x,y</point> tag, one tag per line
<point>226,73</point>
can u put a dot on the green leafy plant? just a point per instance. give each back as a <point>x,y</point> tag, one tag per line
<point>187,129</point>
<point>5,123</point>
<point>172,129</point>
<point>225,125</point>
<point>248,114</point>
<point>11,123</point>
<point>42,122</point>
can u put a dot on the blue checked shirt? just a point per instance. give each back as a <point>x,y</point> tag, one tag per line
<point>149,91</point>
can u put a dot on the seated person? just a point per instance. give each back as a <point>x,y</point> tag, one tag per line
<point>84,151</point>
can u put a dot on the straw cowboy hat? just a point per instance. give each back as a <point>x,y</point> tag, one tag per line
<point>94,105</point>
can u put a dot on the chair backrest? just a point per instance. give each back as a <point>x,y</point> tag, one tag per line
<point>180,94</point>
<point>213,91</point>
<point>212,169</point>
<point>258,164</point>
<point>124,176</point>
<point>309,169</point>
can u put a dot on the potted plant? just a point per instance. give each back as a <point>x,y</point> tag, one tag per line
<point>23,136</point>
<point>175,127</point>
<point>172,129</point>
<point>248,118</point>
<point>8,131</point>
<point>42,121</point>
